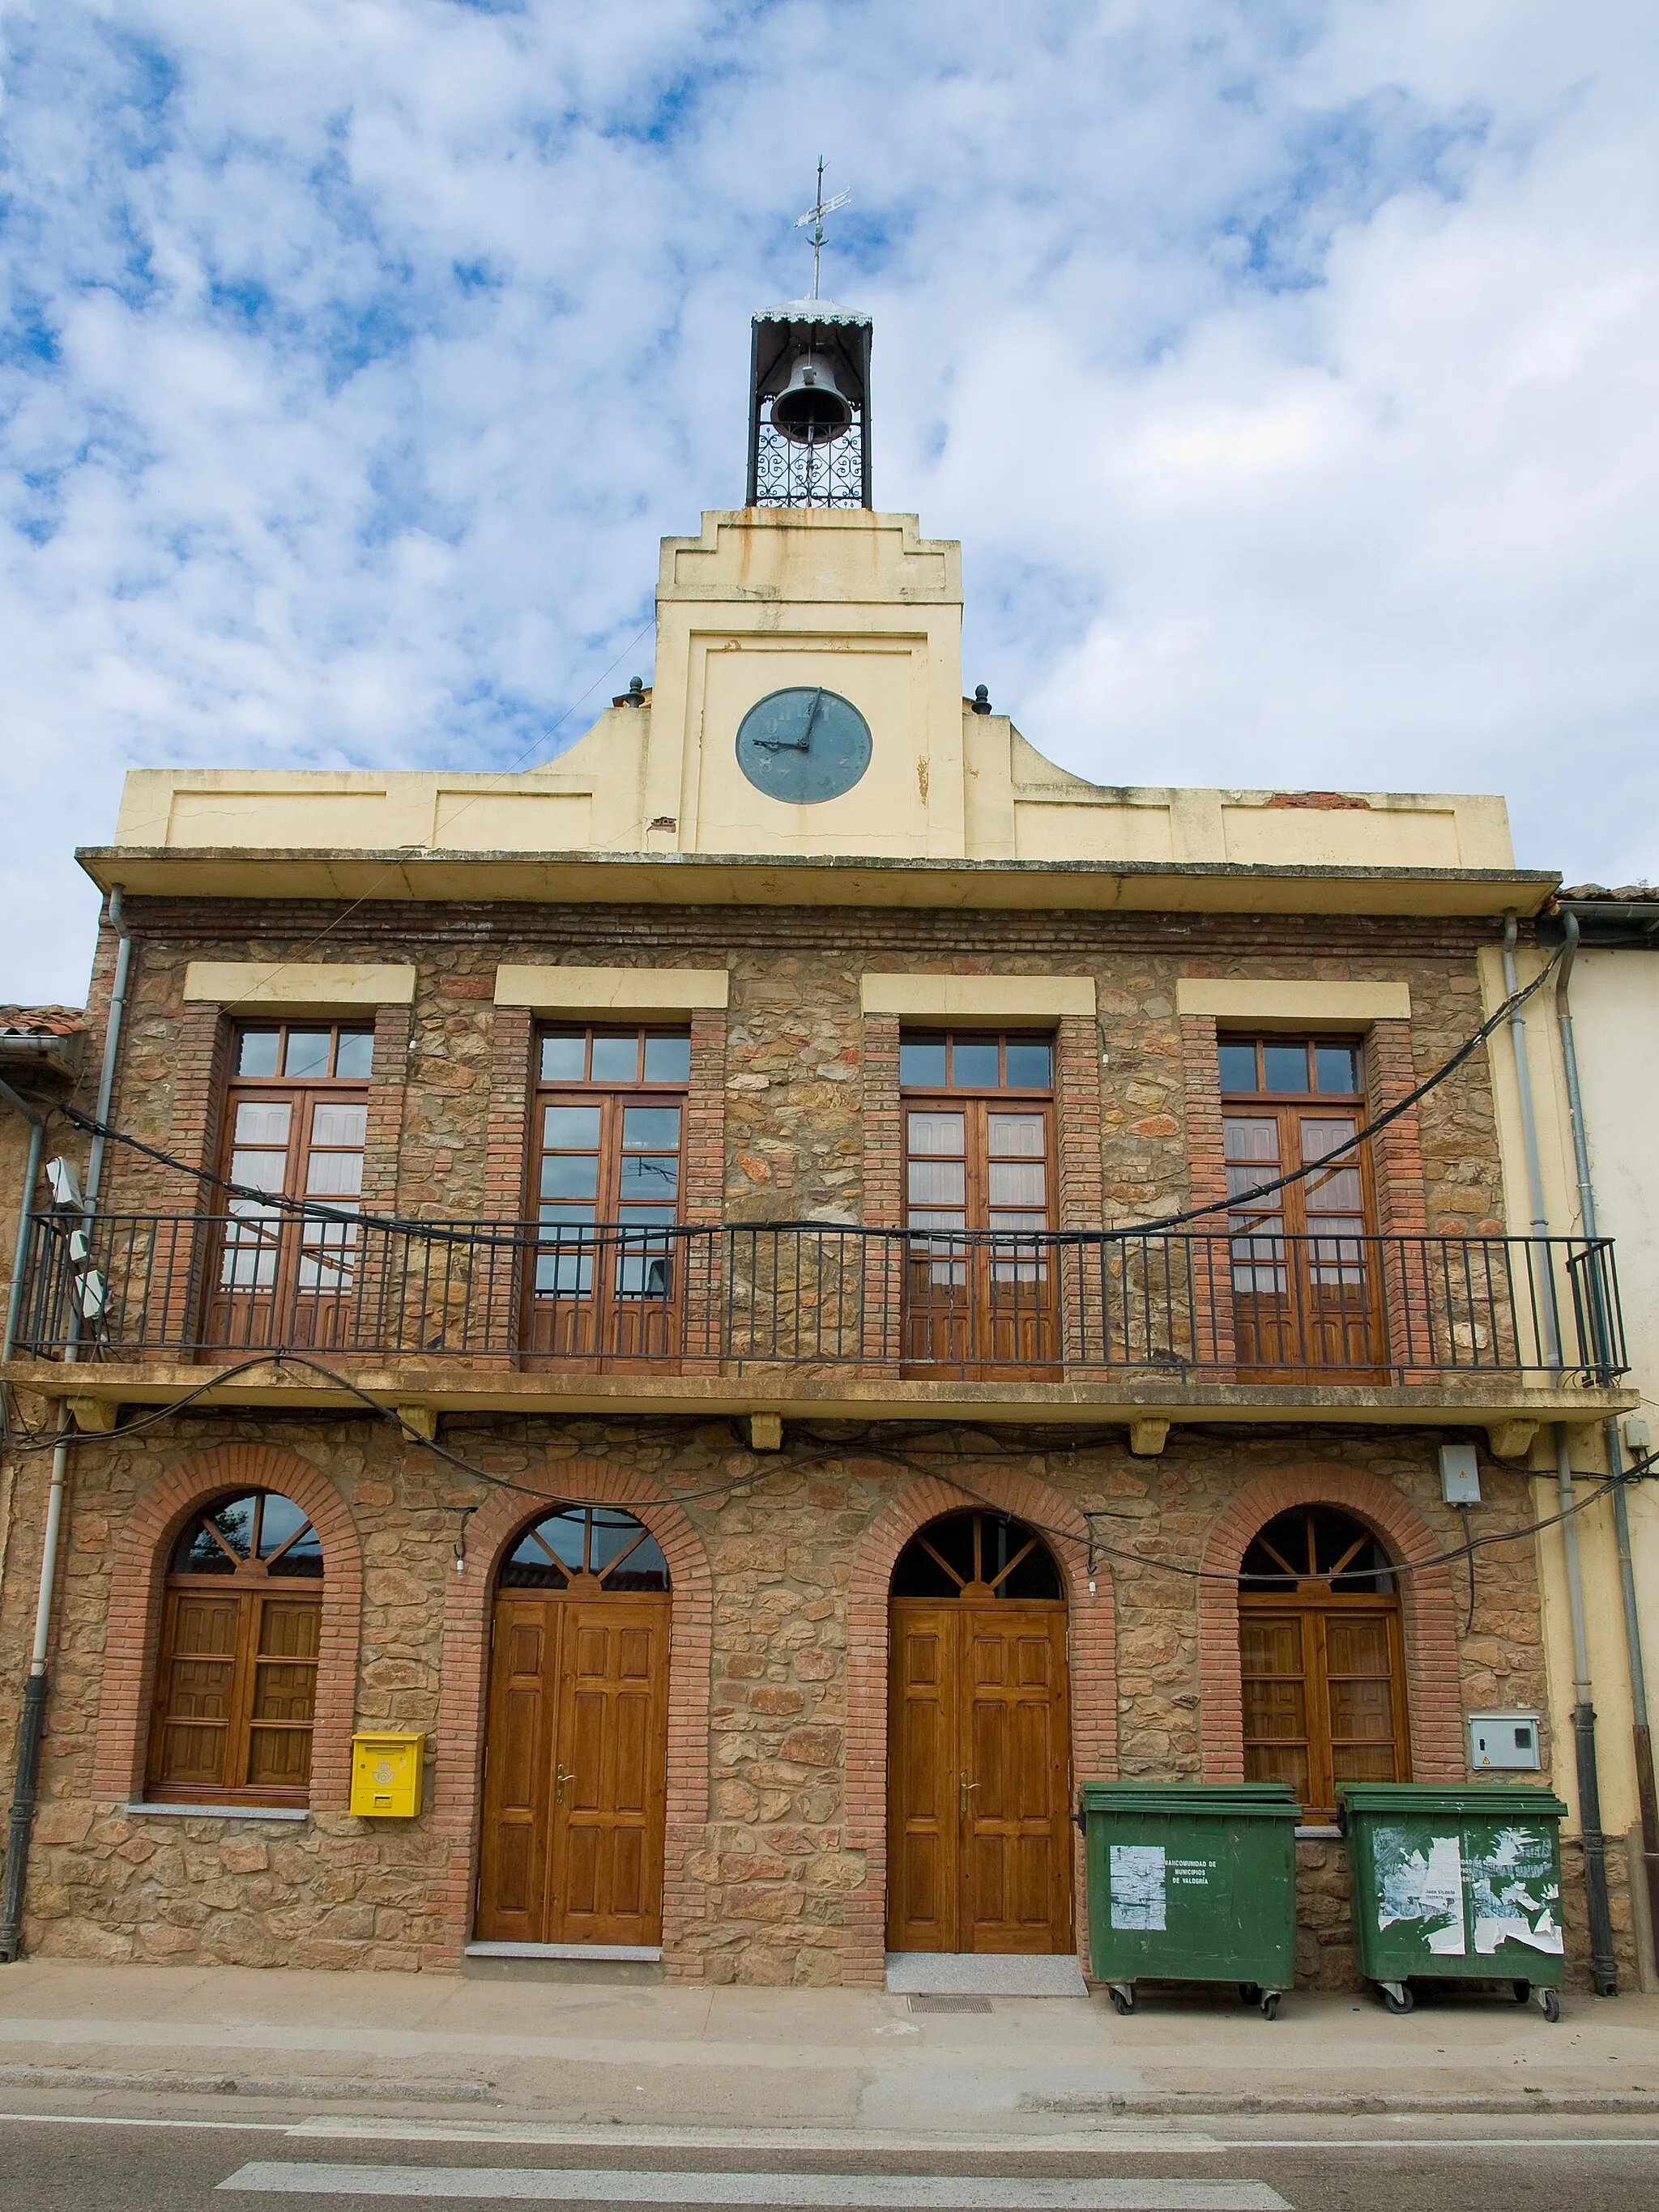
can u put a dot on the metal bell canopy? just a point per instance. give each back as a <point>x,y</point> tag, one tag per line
<point>809,406</point>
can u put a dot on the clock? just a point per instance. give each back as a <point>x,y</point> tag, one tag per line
<point>804,745</point>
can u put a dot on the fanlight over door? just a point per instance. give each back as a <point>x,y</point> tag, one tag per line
<point>576,1753</point>
<point>979,1742</point>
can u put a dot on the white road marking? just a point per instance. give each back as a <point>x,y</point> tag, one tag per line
<point>841,2192</point>
<point>1139,2138</point>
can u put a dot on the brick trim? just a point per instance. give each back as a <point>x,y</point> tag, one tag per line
<point>1079,1171</point>
<point>1433,1706</point>
<point>1397,1151</point>
<point>882,1129</point>
<point>457,1792</point>
<point>507,1163</point>
<point>705,1121</point>
<point>139,1570</point>
<point>1093,1668</point>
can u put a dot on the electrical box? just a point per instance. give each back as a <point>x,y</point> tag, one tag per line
<point>1639,1437</point>
<point>385,1775</point>
<point>1459,1474</point>
<point>1507,1740</point>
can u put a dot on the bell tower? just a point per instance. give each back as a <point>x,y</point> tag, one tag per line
<point>808,407</point>
<point>809,394</point>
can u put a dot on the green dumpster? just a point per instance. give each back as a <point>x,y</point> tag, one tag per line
<point>1192,1881</point>
<point>1456,1884</point>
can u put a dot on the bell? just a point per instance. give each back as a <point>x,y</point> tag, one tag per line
<point>811,410</point>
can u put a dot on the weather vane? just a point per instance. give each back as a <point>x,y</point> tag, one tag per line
<point>815,216</point>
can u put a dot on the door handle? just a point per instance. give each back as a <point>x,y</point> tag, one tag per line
<point>561,1774</point>
<point>966,1785</point>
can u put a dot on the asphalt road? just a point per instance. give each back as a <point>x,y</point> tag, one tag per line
<point>72,2163</point>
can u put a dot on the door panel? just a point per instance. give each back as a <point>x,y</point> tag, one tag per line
<point>979,1778</point>
<point>608,1821</point>
<point>513,1859</point>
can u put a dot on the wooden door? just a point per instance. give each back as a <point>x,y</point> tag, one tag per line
<point>980,1297</point>
<point>1304,1258</point>
<point>574,1770</point>
<point>979,1778</point>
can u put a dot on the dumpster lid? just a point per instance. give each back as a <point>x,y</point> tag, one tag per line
<point>1480,1801</point>
<point>1253,1800</point>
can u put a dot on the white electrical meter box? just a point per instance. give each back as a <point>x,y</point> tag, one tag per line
<point>1503,1739</point>
<point>1459,1474</point>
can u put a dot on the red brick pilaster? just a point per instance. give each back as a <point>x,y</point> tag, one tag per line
<point>139,1568</point>
<point>379,1317</point>
<point>1411,1294</point>
<point>1434,1712</point>
<point>1084,1284</point>
<point>1093,1677</point>
<point>457,1790</point>
<point>883,1130</point>
<point>1211,1273</point>
<point>506,1145</point>
<point>702,1201</point>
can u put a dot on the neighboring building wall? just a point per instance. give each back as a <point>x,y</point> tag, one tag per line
<point>778,1878</point>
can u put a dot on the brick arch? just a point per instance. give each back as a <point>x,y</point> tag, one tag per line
<point>1093,1672</point>
<point>138,1570</point>
<point>457,1795</point>
<point>1428,1610</point>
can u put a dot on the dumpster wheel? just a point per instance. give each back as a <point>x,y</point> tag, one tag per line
<point>1122,1994</point>
<point>1550,2005</point>
<point>1250,1993</point>
<point>1270,2005</point>
<point>1396,1996</point>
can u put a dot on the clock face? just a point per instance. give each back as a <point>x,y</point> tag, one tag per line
<point>804,745</point>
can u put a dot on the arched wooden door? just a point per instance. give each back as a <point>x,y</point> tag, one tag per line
<point>978,1780</point>
<point>576,1753</point>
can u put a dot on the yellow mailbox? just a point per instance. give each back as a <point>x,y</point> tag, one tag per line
<point>385,1775</point>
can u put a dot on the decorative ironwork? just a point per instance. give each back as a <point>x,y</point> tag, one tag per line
<point>790,472</point>
<point>1082,1305</point>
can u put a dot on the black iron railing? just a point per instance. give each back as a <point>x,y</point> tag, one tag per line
<point>1074,1303</point>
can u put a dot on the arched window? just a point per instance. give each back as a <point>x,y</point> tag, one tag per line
<point>236,1674</point>
<point>976,1556</point>
<point>1324,1695</point>
<point>593,1549</point>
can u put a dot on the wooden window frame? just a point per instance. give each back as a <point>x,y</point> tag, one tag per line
<point>599,1313</point>
<point>251,1586</point>
<point>1314,1602</point>
<point>292,1244</point>
<point>1020,1292</point>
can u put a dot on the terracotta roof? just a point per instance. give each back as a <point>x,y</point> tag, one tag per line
<point>42,1021</point>
<point>1626,895</point>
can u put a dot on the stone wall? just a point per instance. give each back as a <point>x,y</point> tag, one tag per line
<point>794,1135</point>
<point>782,1889</point>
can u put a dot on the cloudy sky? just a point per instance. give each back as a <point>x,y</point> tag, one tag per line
<point>1286,367</point>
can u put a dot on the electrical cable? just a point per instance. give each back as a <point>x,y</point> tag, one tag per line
<point>835,1453</point>
<point>439,1232</point>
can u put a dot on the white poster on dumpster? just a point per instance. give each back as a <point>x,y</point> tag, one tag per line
<point>1468,1893</point>
<point>1137,1876</point>
<point>1514,1897</point>
<point>1424,1887</point>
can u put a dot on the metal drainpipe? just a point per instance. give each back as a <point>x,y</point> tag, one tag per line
<point>1640,1734</point>
<point>37,1122</point>
<point>31,1727</point>
<point>1583,1740</point>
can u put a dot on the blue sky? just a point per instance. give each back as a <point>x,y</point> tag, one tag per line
<point>1286,369</point>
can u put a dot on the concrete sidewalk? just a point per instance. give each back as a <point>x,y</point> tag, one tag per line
<point>680,2057</point>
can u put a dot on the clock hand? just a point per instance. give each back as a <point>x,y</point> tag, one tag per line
<point>800,745</point>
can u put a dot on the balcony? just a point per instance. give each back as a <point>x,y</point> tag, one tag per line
<point>819,1316</point>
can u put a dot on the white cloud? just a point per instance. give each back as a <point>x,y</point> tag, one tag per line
<point>1284,370</point>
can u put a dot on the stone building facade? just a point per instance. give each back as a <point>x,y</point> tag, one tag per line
<point>784,1477</point>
